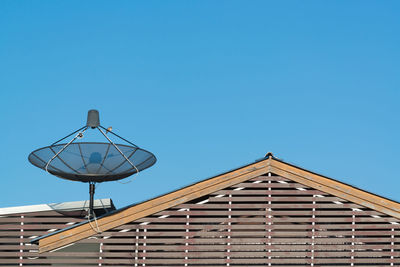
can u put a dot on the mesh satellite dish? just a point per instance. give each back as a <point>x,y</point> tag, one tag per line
<point>92,162</point>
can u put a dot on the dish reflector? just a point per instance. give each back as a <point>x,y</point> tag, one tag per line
<point>92,162</point>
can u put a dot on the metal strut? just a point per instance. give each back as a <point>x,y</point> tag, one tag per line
<point>119,150</point>
<point>80,134</point>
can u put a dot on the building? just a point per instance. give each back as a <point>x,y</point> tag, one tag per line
<point>268,213</point>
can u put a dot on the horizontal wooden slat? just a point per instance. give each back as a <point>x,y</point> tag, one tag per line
<point>236,233</point>
<point>247,247</point>
<point>256,254</point>
<point>297,210</point>
<point>239,193</point>
<point>272,178</point>
<point>170,226</point>
<point>264,199</point>
<point>253,185</point>
<point>32,226</point>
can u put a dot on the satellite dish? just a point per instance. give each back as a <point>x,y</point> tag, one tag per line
<point>92,162</point>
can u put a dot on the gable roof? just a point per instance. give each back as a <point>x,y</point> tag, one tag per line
<point>269,164</point>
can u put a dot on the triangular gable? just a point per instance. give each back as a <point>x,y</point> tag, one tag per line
<point>214,184</point>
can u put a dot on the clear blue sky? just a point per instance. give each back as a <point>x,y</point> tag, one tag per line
<point>206,85</point>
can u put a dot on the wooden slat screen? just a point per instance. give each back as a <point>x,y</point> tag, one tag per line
<point>17,230</point>
<point>266,221</point>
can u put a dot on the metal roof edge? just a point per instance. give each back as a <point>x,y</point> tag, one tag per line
<point>63,206</point>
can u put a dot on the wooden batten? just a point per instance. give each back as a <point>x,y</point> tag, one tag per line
<point>222,182</point>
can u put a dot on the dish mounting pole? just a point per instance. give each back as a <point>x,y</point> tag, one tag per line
<point>92,188</point>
